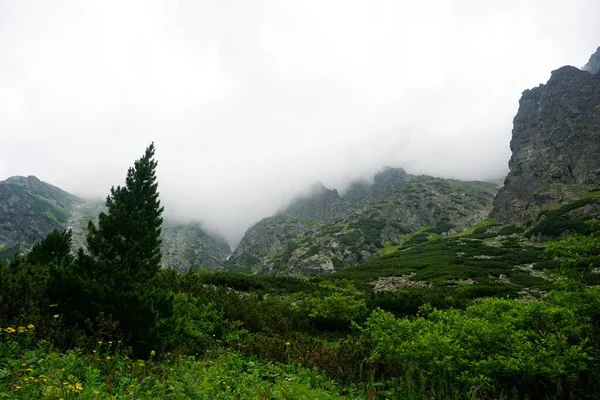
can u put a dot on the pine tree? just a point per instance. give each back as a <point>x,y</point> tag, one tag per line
<point>53,248</point>
<point>126,243</point>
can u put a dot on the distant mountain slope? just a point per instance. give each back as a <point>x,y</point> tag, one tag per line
<point>324,231</point>
<point>30,209</point>
<point>555,146</point>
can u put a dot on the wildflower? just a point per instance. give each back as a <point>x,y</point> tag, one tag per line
<point>152,353</point>
<point>10,330</point>
<point>99,342</point>
<point>78,387</point>
<point>17,387</point>
<point>107,358</point>
<point>21,329</point>
<point>30,327</point>
<point>53,305</point>
<point>287,343</point>
<point>56,315</point>
<point>110,342</point>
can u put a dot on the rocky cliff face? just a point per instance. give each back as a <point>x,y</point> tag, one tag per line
<point>30,209</point>
<point>555,145</point>
<point>323,232</point>
<point>593,65</point>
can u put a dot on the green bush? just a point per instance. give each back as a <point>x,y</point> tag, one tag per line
<point>539,348</point>
<point>333,312</point>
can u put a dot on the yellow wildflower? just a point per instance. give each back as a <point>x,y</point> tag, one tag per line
<point>152,353</point>
<point>56,315</point>
<point>287,343</point>
<point>30,327</point>
<point>78,387</point>
<point>10,330</point>
<point>107,358</point>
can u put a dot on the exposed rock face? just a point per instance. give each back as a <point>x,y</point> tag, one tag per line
<point>30,209</point>
<point>323,232</point>
<point>188,246</point>
<point>555,144</point>
<point>593,65</point>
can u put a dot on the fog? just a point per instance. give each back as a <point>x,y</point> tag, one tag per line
<point>250,102</point>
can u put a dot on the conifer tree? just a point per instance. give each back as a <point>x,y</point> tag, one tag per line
<point>54,247</point>
<point>126,243</point>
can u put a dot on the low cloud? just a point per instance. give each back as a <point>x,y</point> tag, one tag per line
<point>251,102</point>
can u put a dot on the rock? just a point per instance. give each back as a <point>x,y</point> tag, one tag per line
<point>351,228</point>
<point>555,145</point>
<point>593,65</point>
<point>393,283</point>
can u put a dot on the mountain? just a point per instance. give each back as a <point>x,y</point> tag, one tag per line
<point>555,149</point>
<point>324,231</point>
<point>593,65</point>
<point>30,209</point>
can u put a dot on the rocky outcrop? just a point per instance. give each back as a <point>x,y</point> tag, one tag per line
<point>326,231</point>
<point>188,246</point>
<point>30,209</point>
<point>593,65</point>
<point>555,145</point>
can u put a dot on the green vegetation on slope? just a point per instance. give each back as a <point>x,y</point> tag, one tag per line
<point>478,316</point>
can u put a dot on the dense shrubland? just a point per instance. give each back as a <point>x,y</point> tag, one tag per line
<point>108,323</point>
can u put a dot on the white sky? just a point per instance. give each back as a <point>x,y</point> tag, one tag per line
<point>249,102</point>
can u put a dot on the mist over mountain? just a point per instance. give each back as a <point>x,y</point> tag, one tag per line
<point>251,103</point>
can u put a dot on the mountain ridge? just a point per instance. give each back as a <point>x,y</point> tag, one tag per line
<point>324,231</point>
<point>555,146</point>
<point>31,208</point>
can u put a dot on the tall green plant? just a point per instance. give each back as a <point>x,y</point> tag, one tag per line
<point>126,243</point>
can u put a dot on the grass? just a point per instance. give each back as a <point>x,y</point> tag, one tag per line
<point>36,373</point>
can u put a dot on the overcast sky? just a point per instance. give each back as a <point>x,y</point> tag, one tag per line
<point>249,102</point>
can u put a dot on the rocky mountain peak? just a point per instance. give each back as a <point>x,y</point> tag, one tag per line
<point>27,181</point>
<point>555,145</point>
<point>593,65</point>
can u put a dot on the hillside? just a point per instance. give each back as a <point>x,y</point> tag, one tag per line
<point>30,209</point>
<point>326,231</point>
